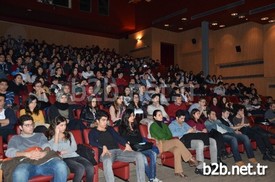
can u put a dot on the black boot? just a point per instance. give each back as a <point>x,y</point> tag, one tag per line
<point>268,157</point>
<point>272,152</point>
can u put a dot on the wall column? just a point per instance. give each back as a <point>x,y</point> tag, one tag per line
<point>205,47</point>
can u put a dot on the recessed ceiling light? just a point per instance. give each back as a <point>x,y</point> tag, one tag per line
<point>29,10</point>
<point>184,19</point>
<point>221,26</point>
<point>271,21</point>
<point>180,28</point>
<point>214,24</point>
<point>234,14</point>
<point>166,25</point>
<point>264,18</point>
<point>241,16</point>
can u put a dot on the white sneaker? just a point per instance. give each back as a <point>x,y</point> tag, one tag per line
<point>156,180</point>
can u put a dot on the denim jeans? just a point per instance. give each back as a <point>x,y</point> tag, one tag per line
<point>124,156</point>
<point>78,166</point>
<point>150,169</point>
<point>233,139</point>
<point>55,167</point>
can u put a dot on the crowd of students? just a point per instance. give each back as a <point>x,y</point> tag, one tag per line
<point>100,89</point>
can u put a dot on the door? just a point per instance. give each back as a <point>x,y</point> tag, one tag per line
<point>167,54</point>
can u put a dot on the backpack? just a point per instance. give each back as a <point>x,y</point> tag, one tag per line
<point>87,153</point>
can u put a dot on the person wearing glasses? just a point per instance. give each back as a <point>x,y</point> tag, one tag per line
<point>32,156</point>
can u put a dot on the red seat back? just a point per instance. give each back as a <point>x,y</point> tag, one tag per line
<point>143,130</point>
<point>77,136</point>
<point>1,148</point>
<point>86,135</point>
<point>77,113</point>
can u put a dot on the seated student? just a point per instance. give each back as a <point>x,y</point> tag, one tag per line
<point>156,106</point>
<point>129,131</point>
<point>177,105</point>
<point>36,162</point>
<point>127,96</point>
<point>107,140</point>
<point>108,96</point>
<point>270,113</point>
<point>163,99</point>
<point>63,142</point>
<point>61,107</point>
<point>256,133</point>
<point>190,138</point>
<point>40,94</point>
<point>213,105</point>
<point>67,90</point>
<point>201,106</point>
<point>165,142</point>
<point>88,113</point>
<point>143,95</point>
<point>7,120</point>
<point>32,109</point>
<point>231,137</point>
<point>9,95</point>
<point>116,110</point>
<point>136,105</point>
<point>17,86</point>
<point>55,87</point>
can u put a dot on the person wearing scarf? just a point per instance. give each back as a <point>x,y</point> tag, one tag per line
<point>62,108</point>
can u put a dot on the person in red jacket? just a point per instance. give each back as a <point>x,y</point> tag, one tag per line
<point>120,81</point>
<point>177,105</point>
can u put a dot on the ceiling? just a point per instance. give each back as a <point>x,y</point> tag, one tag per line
<point>129,16</point>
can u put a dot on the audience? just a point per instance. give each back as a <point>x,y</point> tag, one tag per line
<point>190,138</point>
<point>91,74</point>
<point>232,138</point>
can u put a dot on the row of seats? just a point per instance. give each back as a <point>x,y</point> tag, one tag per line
<point>122,169</point>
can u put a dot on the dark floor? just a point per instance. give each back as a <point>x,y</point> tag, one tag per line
<point>166,174</point>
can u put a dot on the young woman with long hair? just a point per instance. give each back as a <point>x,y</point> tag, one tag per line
<point>117,109</point>
<point>88,113</point>
<point>63,142</point>
<point>32,109</point>
<point>130,131</point>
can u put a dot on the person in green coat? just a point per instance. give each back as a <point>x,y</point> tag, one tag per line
<point>165,142</point>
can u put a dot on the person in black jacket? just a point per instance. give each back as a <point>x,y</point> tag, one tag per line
<point>7,121</point>
<point>61,107</point>
<point>129,130</point>
<point>88,113</point>
<point>106,139</point>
